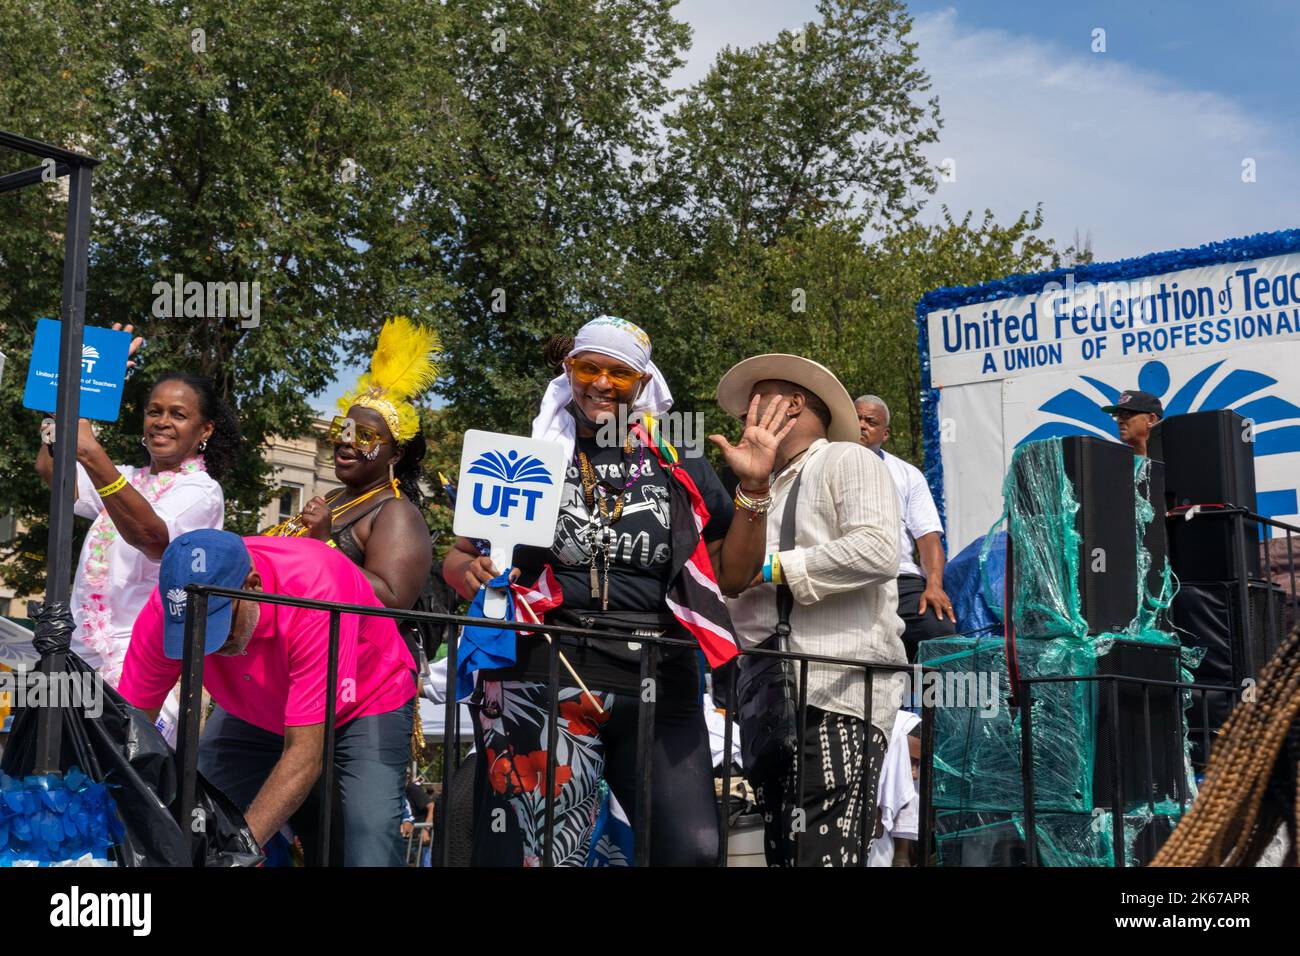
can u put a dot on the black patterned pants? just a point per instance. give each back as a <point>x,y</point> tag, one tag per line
<point>839,795</point>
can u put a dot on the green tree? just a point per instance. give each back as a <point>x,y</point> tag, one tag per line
<point>824,122</point>
<point>267,141</point>
<point>557,103</point>
<point>775,163</point>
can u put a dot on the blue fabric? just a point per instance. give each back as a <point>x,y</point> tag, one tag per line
<point>51,819</point>
<point>611,839</point>
<point>967,584</point>
<point>483,647</point>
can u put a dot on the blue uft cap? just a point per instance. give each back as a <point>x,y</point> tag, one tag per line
<point>206,556</point>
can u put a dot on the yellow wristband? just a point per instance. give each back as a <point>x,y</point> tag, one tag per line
<point>777,577</point>
<point>112,488</point>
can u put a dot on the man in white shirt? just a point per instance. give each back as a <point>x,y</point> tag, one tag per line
<point>922,604</point>
<point>841,572</point>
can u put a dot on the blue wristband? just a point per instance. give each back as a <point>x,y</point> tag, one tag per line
<point>767,569</point>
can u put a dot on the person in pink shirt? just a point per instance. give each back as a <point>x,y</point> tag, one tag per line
<point>266,670</point>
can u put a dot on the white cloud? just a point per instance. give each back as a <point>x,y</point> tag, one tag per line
<point>1107,147</point>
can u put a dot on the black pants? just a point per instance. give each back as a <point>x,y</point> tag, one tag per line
<point>832,825</point>
<point>510,734</point>
<point>918,627</point>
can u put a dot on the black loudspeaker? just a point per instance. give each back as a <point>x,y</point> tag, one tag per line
<point>1144,778</point>
<point>1208,460</point>
<point>1208,615</point>
<point>1101,473</point>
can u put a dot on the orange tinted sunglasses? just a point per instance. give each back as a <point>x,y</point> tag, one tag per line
<point>587,372</point>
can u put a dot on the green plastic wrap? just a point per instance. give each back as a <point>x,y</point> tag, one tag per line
<point>977,754</point>
<point>1040,507</point>
<point>1040,510</point>
<point>1063,839</point>
<point>977,757</point>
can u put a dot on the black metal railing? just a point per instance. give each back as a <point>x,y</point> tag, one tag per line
<point>192,679</point>
<point>1248,526</point>
<point>1115,803</point>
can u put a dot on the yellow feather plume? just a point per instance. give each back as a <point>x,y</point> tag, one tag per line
<point>401,368</point>
<point>403,364</point>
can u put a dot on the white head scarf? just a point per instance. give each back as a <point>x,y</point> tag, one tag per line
<point>617,338</point>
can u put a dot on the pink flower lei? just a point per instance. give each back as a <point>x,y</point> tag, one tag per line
<point>96,616</point>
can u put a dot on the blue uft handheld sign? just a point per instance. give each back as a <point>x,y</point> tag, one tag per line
<point>104,354</point>
<point>509,494</point>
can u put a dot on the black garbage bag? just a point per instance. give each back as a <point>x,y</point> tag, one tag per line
<point>121,748</point>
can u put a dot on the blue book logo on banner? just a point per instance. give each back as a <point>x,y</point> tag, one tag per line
<point>104,354</point>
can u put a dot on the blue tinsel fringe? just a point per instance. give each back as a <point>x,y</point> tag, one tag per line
<point>54,818</point>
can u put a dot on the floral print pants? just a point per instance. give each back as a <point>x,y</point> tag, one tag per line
<point>592,743</point>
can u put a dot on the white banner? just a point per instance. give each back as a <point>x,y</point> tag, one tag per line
<point>1069,326</point>
<point>987,420</point>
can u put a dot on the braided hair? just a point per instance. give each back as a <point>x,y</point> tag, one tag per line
<point>226,443</point>
<point>556,350</point>
<point>407,469</point>
<point>1250,784</point>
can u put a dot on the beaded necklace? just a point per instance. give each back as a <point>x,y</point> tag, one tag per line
<point>600,534</point>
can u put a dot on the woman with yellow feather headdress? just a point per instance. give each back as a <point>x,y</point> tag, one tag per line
<point>375,518</point>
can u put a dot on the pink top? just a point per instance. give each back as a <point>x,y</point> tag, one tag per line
<point>280,681</point>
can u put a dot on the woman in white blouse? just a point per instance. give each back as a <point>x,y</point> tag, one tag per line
<point>191,437</point>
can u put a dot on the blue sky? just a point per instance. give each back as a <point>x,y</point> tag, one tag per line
<point>1141,145</point>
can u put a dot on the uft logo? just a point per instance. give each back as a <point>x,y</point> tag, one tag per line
<point>511,469</point>
<point>176,598</point>
<point>89,356</point>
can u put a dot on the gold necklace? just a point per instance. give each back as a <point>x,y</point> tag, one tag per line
<point>294,528</point>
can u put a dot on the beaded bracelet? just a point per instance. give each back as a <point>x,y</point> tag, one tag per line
<point>758,506</point>
<point>112,488</point>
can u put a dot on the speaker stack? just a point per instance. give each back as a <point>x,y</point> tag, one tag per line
<point>1224,604</point>
<point>1102,476</point>
<point>1095,742</point>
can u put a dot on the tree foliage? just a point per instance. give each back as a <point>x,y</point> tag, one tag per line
<point>501,169</point>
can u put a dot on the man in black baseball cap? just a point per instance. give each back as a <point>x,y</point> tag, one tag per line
<point>1135,414</point>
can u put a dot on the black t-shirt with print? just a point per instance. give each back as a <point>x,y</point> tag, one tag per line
<point>642,556</point>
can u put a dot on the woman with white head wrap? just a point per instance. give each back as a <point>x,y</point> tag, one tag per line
<point>645,541</point>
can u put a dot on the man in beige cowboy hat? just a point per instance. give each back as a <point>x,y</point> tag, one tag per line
<point>840,569</point>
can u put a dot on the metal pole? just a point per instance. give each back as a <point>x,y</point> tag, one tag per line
<point>552,745</point>
<point>191,703</point>
<point>1116,789</point>
<point>869,800</point>
<point>1251,668</point>
<point>645,743</point>
<point>724,824</point>
<point>926,832</point>
<point>798,809</point>
<point>63,484</point>
<point>450,745</point>
<point>327,767</point>
<point>1025,696</point>
<point>1290,564</point>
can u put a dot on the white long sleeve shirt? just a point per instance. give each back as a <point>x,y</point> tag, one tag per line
<point>842,572</point>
